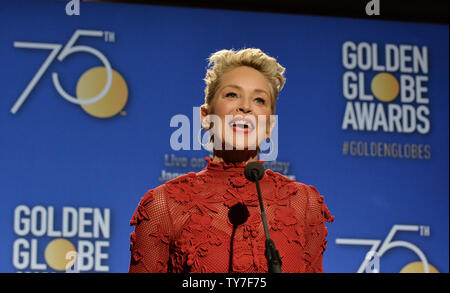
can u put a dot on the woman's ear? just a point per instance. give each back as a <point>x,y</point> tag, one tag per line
<point>204,117</point>
<point>271,123</point>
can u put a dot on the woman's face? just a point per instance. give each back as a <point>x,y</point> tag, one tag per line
<point>243,105</point>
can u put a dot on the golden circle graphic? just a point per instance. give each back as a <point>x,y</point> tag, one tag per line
<point>92,82</point>
<point>385,87</point>
<point>417,267</point>
<point>59,253</point>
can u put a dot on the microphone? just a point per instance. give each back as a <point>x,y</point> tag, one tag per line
<point>238,215</point>
<point>254,171</point>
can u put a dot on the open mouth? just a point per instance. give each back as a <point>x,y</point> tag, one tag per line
<point>242,124</point>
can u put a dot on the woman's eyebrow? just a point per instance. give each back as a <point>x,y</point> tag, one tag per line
<point>240,88</point>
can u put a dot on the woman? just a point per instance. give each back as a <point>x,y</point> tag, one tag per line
<point>187,224</point>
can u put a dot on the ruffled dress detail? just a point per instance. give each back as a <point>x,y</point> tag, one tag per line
<point>183,226</point>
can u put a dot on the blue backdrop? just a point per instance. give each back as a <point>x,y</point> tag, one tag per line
<point>375,145</point>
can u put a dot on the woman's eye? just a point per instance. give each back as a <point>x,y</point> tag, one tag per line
<point>260,101</point>
<point>231,94</point>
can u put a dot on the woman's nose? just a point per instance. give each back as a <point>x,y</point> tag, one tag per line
<point>245,106</point>
<point>244,110</point>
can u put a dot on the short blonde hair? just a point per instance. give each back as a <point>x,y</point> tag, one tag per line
<point>225,60</point>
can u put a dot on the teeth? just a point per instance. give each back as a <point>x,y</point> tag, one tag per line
<point>241,124</point>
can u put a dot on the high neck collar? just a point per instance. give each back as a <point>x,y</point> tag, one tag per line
<point>227,167</point>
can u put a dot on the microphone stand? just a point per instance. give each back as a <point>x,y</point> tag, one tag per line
<point>271,253</point>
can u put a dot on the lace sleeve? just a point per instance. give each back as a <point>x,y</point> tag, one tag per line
<point>312,213</point>
<point>151,237</point>
<point>315,230</point>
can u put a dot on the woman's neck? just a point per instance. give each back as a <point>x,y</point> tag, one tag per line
<point>235,156</point>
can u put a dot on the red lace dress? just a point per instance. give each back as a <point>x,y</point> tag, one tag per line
<point>183,225</point>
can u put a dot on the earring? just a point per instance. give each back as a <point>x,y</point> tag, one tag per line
<point>271,148</point>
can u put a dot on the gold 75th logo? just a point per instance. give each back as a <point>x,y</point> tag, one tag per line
<point>101,91</point>
<point>371,263</point>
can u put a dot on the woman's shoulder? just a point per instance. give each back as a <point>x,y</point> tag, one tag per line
<point>302,194</point>
<point>172,183</point>
<point>185,178</point>
<point>289,185</point>
<point>292,185</point>
<point>180,188</point>
<point>153,199</point>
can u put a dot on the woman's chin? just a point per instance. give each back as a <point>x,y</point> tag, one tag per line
<point>247,143</point>
<point>240,147</point>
